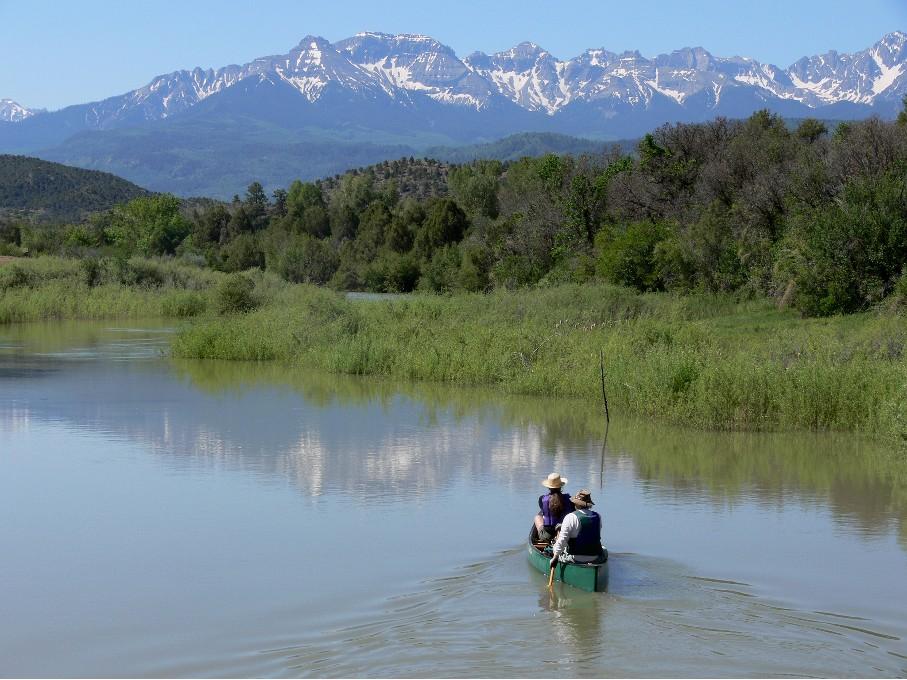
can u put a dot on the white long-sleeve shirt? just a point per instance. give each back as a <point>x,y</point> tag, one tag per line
<point>570,529</point>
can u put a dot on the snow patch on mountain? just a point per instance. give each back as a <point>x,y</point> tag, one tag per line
<point>406,67</point>
<point>13,112</point>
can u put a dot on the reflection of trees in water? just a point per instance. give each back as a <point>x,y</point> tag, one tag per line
<point>865,485</point>
<point>374,437</point>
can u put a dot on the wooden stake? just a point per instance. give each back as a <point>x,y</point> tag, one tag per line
<point>601,471</point>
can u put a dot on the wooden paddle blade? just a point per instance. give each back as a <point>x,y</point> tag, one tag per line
<point>551,578</point>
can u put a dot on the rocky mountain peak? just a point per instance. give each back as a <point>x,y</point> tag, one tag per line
<point>13,112</point>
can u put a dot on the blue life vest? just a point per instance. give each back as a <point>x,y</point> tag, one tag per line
<point>588,541</point>
<point>549,518</point>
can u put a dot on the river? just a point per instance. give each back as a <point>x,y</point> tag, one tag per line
<point>173,518</point>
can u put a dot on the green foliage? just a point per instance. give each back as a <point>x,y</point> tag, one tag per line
<point>149,225</point>
<point>475,187</point>
<point>44,191</point>
<point>444,224</point>
<point>305,259</point>
<point>101,288</point>
<point>628,256</point>
<point>850,254</point>
<point>183,304</point>
<point>745,207</point>
<point>441,274</point>
<point>392,272</point>
<point>701,360</point>
<point>811,130</point>
<point>306,210</point>
<point>242,253</point>
<point>234,295</point>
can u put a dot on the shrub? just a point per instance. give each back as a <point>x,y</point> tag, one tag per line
<point>242,253</point>
<point>90,270</point>
<point>392,273</point>
<point>627,257</point>
<point>183,304</point>
<point>14,276</point>
<point>235,295</point>
<point>308,260</point>
<point>442,273</point>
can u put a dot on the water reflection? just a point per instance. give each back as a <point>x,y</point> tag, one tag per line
<point>274,420</point>
<point>225,467</point>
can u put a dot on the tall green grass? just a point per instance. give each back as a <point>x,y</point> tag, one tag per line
<point>42,288</point>
<point>702,361</point>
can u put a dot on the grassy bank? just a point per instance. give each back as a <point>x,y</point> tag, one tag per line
<point>701,361</point>
<point>35,289</point>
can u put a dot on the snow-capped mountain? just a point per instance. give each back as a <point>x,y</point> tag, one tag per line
<point>324,107</point>
<point>404,68</point>
<point>13,112</point>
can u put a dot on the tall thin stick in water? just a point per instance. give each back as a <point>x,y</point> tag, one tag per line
<point>601,471</point>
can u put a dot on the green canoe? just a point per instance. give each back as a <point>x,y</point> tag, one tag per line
<point>592,576</point>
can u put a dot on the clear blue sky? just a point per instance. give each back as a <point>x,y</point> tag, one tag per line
<point>60,53</point>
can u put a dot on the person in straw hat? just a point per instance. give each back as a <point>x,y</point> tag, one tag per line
<point>579,539</point>
<point>553,507</point>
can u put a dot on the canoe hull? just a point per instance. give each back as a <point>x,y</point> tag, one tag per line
<point>591,577</point>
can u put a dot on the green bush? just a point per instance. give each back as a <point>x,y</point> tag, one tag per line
<point>235,295</point>
<point>242,253</point>
<point>306,259</point>
<point>15,276</point>
<point>181,304</point>
<point>392,273</point>
<point>90,269</point>
<point>627,255</point>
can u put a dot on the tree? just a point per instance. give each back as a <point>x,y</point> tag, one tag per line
<point>243,252</point>
<point>210,226</point>
<point>279,206</point>
<point>348,200</point>
<point>150,225</point>
<point>851,253</point>
<point>407,220</point>
<point>445,223</point>
<point>628,257</point>
<point>475,186</point>
<point>308,260</point>
<point>306,210</point>
<point>256,207</point>
<point>811,129</point>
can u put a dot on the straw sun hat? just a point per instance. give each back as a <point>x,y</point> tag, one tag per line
<point>554,481</point>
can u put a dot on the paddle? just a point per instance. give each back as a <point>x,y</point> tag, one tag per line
<point>551,577</point>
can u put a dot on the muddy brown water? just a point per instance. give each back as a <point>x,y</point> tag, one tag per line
<point>168,518</point>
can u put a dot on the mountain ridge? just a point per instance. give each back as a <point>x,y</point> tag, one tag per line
<point>402,66</point>
<point>323,107</point>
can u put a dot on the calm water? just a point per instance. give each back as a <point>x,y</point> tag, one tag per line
<point>211,519</point>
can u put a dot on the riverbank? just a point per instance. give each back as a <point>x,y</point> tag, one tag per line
<point>700,361</point>
<point>44,288</point>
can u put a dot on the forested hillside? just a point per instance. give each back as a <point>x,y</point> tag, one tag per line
<point>812,217</point>
<point>43,191</point>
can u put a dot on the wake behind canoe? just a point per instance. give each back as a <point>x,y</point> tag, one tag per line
<point>592,577</point>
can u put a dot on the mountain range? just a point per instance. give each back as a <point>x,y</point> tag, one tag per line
<point>324,106</point>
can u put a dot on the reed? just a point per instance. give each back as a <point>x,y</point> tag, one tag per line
<point>702,361</point>
<point>34,289</point>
